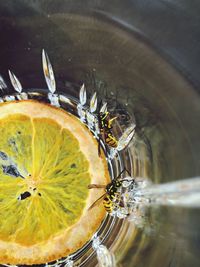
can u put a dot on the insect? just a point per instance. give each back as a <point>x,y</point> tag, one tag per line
<point>101,124</point>
<point>123,141</point>
<point>111,191</point>
<point>105,128</point>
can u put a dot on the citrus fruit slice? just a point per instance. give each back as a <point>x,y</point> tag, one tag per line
<point>47,160</point>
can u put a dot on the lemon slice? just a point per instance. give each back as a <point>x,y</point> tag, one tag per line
<point>47,159</point>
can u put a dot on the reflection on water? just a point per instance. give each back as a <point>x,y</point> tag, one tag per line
<point>136,83</point>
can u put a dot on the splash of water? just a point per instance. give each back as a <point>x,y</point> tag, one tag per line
<point>184,193</point>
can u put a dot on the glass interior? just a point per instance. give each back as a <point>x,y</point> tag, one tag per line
<point>91,46</point>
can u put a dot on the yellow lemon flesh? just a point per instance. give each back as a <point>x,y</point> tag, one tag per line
<point>47,160</point>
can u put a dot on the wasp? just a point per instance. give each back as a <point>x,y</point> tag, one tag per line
<point>101,123</point>
<point>105,128</point>
<point>111,192</point>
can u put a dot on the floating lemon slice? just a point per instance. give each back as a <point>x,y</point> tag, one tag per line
<point>47,159</point>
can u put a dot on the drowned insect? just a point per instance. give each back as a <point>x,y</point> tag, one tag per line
<point>106,134</point>
<point>105,128</point>
<point>112,193</point>
<point>101,124</point>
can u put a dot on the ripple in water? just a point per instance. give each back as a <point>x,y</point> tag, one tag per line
<point>134,153</point>
<point>126,155</point>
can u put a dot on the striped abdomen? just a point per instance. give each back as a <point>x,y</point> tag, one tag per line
<point>108,204</point>
<point>110,140</point>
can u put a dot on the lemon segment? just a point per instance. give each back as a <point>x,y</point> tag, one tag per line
<point>15,141</point>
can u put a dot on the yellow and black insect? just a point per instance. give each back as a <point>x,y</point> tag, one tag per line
<point>105,127</point>
<point>111,192</point>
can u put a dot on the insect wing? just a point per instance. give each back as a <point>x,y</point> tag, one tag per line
<point>126,137</point>
<point>15,82</point>
<point>93,103</point>
<point>48,72</point>
<point>104,108</point>
<point>82,95</point>
<point>97,201</point>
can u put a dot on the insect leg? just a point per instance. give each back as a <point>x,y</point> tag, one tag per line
<point>127,171</point>
<point>124,169</point>
<point>90,186</point>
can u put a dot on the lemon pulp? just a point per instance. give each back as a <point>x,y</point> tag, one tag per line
<point>47,159</point>
<point>55,174</point>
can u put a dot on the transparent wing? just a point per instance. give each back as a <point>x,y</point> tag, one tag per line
<point>97,201</point>
<point>126,137</point>
<point>2,83</point>
<point>104,108</point>
<point>93,102</point>
<point>48,72</point>
<point>15,82</point>
<point>83,95</point>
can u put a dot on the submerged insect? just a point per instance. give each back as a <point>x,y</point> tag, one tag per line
<point>105,128</point>
<point>101,124</point>
<point>111,192</point>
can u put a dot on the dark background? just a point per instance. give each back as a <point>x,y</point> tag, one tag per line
<point>171,25</point>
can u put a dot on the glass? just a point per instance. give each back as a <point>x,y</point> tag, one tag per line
<point>86,44</point>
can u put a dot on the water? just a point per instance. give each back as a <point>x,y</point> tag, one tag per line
<point>137,83</point>
<point>184,193</point>
<point>70,104</point>
<point>138,194</point>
